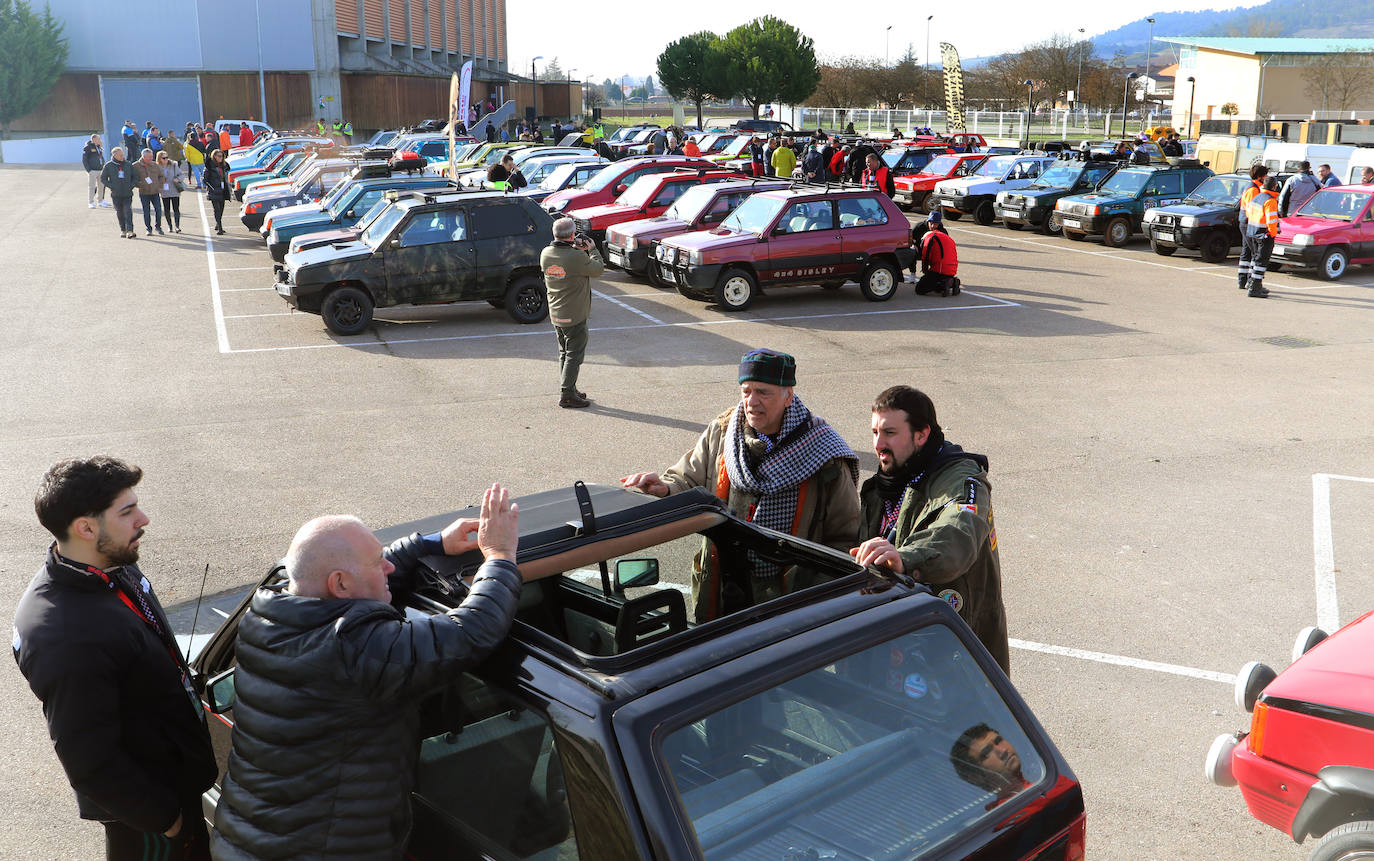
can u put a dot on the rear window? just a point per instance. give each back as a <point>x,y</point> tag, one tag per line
<point>814,760</point>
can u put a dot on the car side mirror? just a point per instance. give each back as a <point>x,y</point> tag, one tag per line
<point>395,243</point>
<point>220,692</point>
<point>620,189</point>
<point>352,213</point>
<point>635,572</point>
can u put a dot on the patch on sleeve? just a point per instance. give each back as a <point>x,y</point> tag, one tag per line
<point>556,271</point>
<point>971,509</point>
<point>953,599</point>
<point>146,586</point>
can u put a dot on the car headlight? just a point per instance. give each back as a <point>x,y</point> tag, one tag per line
<point>694,258</point>
<point>631,243</point>
<point>1187,221</point>
<point>1149,217</point>
<point>1302,239</point>
<point>1003,197</point>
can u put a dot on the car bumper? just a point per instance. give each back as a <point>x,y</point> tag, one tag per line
<point>1298,256</point>
<point>1035,216</point>
<point>1087,224</point>
<point>1174,237</point>
<point>1273,792</point>
<point>636,261</point>
<point>252,220</point>
<point>958,204</point>
<point>694,279</point>
<point>909,197</point>
<point>278,250</point>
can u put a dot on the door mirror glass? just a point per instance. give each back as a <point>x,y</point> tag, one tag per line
<point>220,692</point>
<point>352,213</point>
<point>394,243</point>
<point>635,572</point>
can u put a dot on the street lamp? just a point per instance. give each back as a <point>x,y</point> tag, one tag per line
<point>534,90</point>
<point>1192,93</point>
<point>887,43</point>
<point>925,79</point>
<point>1078,92</point>
<point>1030,87</point>
<point>1149,47</point>
<point>1125,94</point>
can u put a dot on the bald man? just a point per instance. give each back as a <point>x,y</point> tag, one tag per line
<point>330,677</point>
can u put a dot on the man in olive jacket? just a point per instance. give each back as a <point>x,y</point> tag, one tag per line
<point>775,464</point>
<point>569,265</point>
<point>928,513</point>
<point>330,678</point>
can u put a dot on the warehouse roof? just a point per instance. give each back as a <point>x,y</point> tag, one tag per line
<point>1286,45</point>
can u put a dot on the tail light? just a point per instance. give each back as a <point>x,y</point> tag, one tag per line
<point>1258,720</point>
<point>252,208</point>
<point>1078,839</point>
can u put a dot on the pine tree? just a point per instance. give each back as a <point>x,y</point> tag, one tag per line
<point>34,52</point>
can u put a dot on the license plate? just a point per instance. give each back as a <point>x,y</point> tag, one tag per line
<point>283,289</point>
<point>667,274</point>
<point>1071,222</point>
<point>1166,235</point>
<point>618,259</point>
<point>1008,211</point>
<point>1278,251</point>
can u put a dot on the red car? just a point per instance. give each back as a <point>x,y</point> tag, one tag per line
<point>913,191</point>
<point>1306,766</point>
<point>628,245</point>
<point>615,178</point>
<point>1332,230</point>
<point>648,196</point>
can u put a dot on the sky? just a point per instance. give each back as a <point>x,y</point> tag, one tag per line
<point>607,42</point>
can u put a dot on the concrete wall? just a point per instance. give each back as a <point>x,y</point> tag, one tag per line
<point>55,150</point>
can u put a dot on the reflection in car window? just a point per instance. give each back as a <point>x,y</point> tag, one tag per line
<point>1219,189</point>
<point>376,233</point>
<point>913,718</point>
<point>861,212</point>
<point>754,215</point>
<point>431,228</point>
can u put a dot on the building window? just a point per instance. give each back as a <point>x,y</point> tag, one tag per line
<point>1187,57</point>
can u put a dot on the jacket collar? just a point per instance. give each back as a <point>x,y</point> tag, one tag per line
<point>72,574</point>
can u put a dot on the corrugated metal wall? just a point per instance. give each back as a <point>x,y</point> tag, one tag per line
<point>451,24</point>
<point>373,19</point>
<point>500,28</point>
<point>465,26</point>
<point>436,25</point>
<point>346,15</point>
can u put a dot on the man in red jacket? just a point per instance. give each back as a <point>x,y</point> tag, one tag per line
<point>876,175</point>
<point>939,257</point>
<point>836,165</point>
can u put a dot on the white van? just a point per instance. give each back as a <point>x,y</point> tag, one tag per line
<point>1230,153</point>
<point>1361,159</point>
<point>1284,157</point>
<point>233,126</point>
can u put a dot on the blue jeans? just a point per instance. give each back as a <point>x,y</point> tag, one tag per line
<point>197,171</point>
<point>151,203</point>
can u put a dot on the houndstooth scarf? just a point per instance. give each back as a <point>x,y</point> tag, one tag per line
<point>804,444</point>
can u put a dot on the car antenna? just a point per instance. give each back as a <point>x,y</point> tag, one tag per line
<point>195,617</point>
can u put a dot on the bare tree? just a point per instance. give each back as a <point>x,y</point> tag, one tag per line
<point>1336,80</point>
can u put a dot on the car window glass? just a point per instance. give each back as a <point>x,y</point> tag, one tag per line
<point>1167,183</point>
<point>803,217</point>
<point>521,810</point>
<point>502,219</point>
<point>912,718</point>
<point>670,192</point>
<point>861,212</point>
<point>430,228</point>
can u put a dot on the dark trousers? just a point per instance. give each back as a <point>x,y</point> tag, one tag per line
<point>217,204</point>
<point>171,207</point>
<point>151,204</point>
<point>572,347</point>
<point>192,843</point>
<point>124,211</point>
<point>934,282</point>
<point>1254,258</point>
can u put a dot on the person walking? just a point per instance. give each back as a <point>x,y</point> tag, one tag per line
<point>927,513</point>
<point>1258,172</point>
<point>784,160</point>
<point>170,192</point>
<point>490,133</point>
<point>245,135</point>
<point>194,150</point>
<point>118,177</point>
<point>568,265</point>
<point>1262,225</point>
<point>93,161</point>
<point>224,142</point>
<point>217,189</point>
<point>132,142</point>
<point>1299,187</point>
<point>149,176</point>
<point>96,648</point>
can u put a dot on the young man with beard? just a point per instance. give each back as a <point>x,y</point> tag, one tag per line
<point>775,464</point>
<point>927,513</point>
<point>96,648</point>
<point>982,757</point>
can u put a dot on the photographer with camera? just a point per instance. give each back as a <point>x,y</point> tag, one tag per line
<point>569,263</point>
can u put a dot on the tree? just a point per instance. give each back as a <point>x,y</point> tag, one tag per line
<point>1336,80</point>
<point>771,61</point>
<point>553,71</point>
<point>34,52</point>
<point>613,90</point>
<point>1230,109</point>
<point>593,96</point>
<point>639,94</point>
<point>649,84</point>
<point>692,69</point>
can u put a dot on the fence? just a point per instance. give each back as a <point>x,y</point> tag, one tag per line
<point>1005,125</point>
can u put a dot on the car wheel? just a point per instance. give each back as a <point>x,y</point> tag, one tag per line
<point>1162,250</point>
<point>1307,638</point>
<point>880,282</point>
<point>953,214</point>
<point>1334,264</point>
<point>1050,227</point>
<point>736,289</point>
<point>927,205</point>
<point>347,310</point>
<point>652,274</point>
<point>1353,840</point>
<point>1118,232</point>
<point>985,214</point>
<point>526,301</point>
<point>1216,246</point>
<point>1073,235</point>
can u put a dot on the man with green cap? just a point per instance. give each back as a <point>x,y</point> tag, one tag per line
<point>774,463</point>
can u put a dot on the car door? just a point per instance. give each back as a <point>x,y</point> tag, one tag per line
<point>1362,238</point>
<point>804,245</point>
<point>430,257</point>
<point>862,222</point>
<point>502,232</point>
<point>1163,189</point>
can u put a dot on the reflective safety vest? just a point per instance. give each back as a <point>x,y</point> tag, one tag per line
<point>1254,189</point>
<point>1262,213</point>
<point>348,129</point>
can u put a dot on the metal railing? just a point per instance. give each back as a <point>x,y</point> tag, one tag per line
<point>1003,125</point>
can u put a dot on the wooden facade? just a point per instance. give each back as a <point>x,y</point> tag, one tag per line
<point>386,101</point>
<point>73,105</point>
<point>236,95</point>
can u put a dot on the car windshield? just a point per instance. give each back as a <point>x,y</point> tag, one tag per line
<point>707,141</point>
<point>495,155</point>
<point>557,177</point>
<point>808,761</point>
<point>941,165</point>
<point>691,203</point>
<point>754,215</point>
<point>737,146</point>
<point>1219,189</point>
<point>643,136</point>
<point>639,193</point>
<point>996,166</point>
<point>376,232</point>
<point>605,177</point>
<point>334,200</point>
<point>893,157</point>
<point>1334,204</point>
<point>465,151</point>
<point>1127,182</point>
<point>371,215</point>
<point>1059,176</point>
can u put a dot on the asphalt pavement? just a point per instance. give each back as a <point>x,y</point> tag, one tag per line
<point>1162,450</point>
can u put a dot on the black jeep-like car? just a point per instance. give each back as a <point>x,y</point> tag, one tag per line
<point>1207,220</point>
<point>427,248</point>
<point>1031,206</point>
<point>831,722</point>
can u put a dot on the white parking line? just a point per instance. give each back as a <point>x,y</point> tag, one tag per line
<point>614,301</point>
<point>1324,548</point>
<point>250,316</point>
<point>1122,661</point>
<point>246,289</point>
<point>220,332</point>
<point>245,268</point>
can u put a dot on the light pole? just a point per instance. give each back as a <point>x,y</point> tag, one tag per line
<point>262,85</point>
<point>1192,93</point>
<point>925,79</point>
<point>534,91</point>
<point>1030,88</point>
<point>1149,47</point>
<point>1078,93</point>
<point>887,44</point>
<point>1125,94</point>
<point>624,97</point>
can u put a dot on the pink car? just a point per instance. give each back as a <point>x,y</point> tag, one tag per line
<point>1332,230</point>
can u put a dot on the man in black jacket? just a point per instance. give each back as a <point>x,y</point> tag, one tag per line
<point>95,646</point>
<point>330,677</point>
<point>93,161</point>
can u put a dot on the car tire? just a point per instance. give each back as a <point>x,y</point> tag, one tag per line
<point>1215,247</point>
<point>831,285</point>
<point>526,300</point>
<point>1162,250</point>
<point>1117,234</point>
<point>1346,842</point>
<point>927,205</point>
<point>985,214</point>
<point>1334,263</point>
<point>1073,235</point>
<point>652,274</point>
<point>1050,227</point>
<point>953,214</point>
<point>736,289</point>
<point>880,282</point>
<point>347,310</point>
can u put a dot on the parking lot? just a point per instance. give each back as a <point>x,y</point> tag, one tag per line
<point>1184,477</point>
